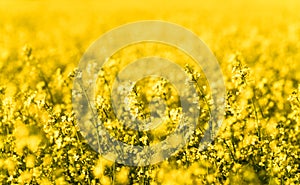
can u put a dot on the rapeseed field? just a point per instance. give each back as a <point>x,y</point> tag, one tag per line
<point>257,45</point>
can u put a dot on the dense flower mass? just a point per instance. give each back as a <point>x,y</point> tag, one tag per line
<point>258,51</point>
